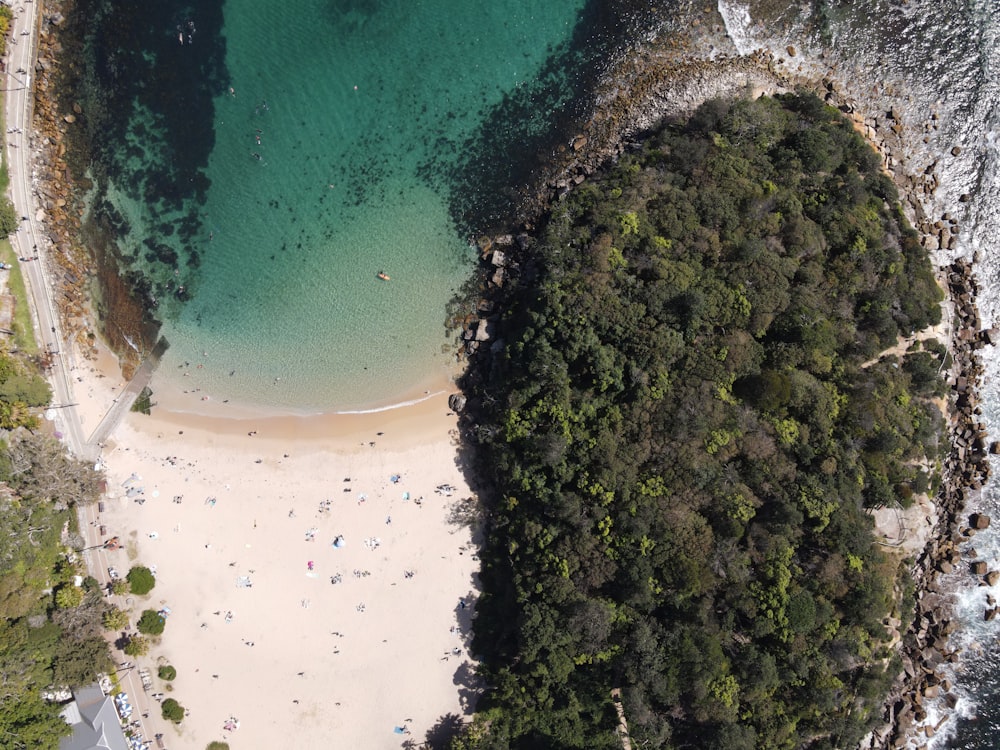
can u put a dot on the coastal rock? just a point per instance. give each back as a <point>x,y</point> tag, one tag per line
<point>992,577</point>
<point>456,402</point>
<point>485,330</point>
<point>978,568</point>
<point>979,521</point>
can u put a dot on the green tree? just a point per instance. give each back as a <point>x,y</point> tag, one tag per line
<point>172,711</point>
<point>68,596</point>
<point>28,721</point>
<point>77,662</point>
<point>119,587</point>
<point>115,619</point>
<point>140,580</point>
<point>166,672</point>
<point>151,622</point>
<point>137,646</point>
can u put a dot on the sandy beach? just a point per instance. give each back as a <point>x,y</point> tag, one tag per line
<point>319,580</point>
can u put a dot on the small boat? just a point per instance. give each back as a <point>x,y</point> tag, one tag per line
<point>383,275</point>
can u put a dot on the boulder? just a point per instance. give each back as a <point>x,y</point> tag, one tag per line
<point>484,331</point>
<point>992,577</point>
<point>456,402</point>
<point>978,568</point>
<point>979,521</point>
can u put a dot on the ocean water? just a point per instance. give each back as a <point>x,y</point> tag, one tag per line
<point>924,57</point>
<point>259,164</point>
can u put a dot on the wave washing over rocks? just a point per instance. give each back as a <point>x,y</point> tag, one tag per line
<point>724,55</point>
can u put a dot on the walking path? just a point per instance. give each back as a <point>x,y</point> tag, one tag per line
<point>124,400</point>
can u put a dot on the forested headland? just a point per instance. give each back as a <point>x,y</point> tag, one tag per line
<point>682,434</point>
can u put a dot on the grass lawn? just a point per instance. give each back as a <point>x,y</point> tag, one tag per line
<point>24,335</point>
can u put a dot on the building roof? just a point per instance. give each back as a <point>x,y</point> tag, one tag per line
<point>94,720</point>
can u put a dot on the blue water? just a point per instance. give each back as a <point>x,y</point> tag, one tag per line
<point>265,162</point>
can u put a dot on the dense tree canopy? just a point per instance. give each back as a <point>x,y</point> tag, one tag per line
<point>684,429</point>
<point>50,628</point>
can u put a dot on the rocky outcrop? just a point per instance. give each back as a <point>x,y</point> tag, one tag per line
<point>74,255</point>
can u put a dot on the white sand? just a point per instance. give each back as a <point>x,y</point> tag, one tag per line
<point>332,664</point>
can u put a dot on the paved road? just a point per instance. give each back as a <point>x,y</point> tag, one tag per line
<point>27,241</point>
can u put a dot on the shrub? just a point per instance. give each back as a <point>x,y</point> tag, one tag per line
<point>114,619</point>
<point>137,646</point>
<point>8,217</point>
<point>151,622</point>
<point>119,587</point>
<point>173,711</point>
<point>141,580</point>
<point>216,745</point>
<point>166,672</point>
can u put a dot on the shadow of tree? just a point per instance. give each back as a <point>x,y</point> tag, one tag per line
<point>441,734</point>
<point>470,685</point>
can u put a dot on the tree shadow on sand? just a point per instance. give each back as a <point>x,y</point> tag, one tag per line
<point>440,735</point>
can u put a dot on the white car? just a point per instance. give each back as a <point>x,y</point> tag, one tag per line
<point>113,574</point>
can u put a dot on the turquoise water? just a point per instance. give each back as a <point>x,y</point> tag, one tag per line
<point>372,119</point>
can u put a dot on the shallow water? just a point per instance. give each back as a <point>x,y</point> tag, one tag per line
<point>263,163</point>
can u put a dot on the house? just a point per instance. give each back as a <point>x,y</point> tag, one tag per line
<point>94,720</point>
